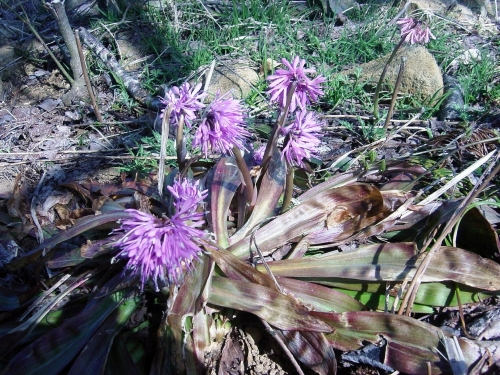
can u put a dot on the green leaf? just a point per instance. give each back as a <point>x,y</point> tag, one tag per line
<point>119,359</point>
<point>429,296</point>
<point>318,297</point>
<point>83,225</point>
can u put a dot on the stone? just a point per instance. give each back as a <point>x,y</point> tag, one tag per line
<point>422,78</point>
<point>473,15</point>
<point>236,76</point>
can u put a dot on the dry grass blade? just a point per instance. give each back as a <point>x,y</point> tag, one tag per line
<point>165,127</point>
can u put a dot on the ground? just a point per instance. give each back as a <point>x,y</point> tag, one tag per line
<point>55,158</point>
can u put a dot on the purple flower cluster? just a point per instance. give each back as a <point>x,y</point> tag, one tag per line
<point>306,90</point>
<point>160,248</point>
<point>185,101</point>
<point>413,32</point>
<point>222,127</point>
<point>301,138</point>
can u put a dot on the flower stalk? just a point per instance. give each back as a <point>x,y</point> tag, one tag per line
<point>382,77</point>
<point>180,143</point>
<point>411,32</point>
<point>280,122</point>
<point>395,94</point>
<point>287,198</point>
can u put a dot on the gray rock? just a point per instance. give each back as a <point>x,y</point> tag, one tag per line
<point>422,77</point>
<point>236,76</point>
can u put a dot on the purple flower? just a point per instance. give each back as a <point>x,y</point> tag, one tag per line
<point>159,248</point>
<point>187,197</point>
<point>301,138</point>
<point>222,127</point>
<point>184,102</point>
<point>413,32</point>
<point>258,155</point>
<point>306,91</point>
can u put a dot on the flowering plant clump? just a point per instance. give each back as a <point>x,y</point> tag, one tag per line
<point>306,90</point>
<point>158,248</point>
<point>185,101</point>
<point>413,32</point>
<point>301,138</point>
<point>222,128</point>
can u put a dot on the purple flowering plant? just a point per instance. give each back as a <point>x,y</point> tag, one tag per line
<point>413,31</point>
<point>159,249</point>
<point>182,266</point>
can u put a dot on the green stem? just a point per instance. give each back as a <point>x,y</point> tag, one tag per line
<point>287,199</point>
<point>247,179</point>
<point>382,76</point>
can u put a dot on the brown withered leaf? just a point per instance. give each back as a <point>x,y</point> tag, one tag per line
<point>85,193</point>
<point>312,349</point>
<point>325,210</point>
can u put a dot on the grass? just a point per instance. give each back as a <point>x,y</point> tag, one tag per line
<point>183,39</point>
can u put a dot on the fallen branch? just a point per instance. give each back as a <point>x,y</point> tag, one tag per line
<point>131,84</point>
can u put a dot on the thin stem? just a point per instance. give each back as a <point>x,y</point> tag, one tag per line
<point>382,76</point>
<point>86,77</point>
<point>179,143</point>
<point>59,11</point>
<point>271,144</point>
<point>247,179</point>
<point>287,199</point>
<point>395,94</point>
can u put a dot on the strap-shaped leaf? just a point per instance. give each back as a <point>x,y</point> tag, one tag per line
<point>225,181</point>
<point>83,225</point>
<point>395,262</point>
<point>277,309</point>
<point>94,356</point>
<point>49,354</point>
<point>412,345</point>
<point>323,211</point>
<point>270,190</point>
